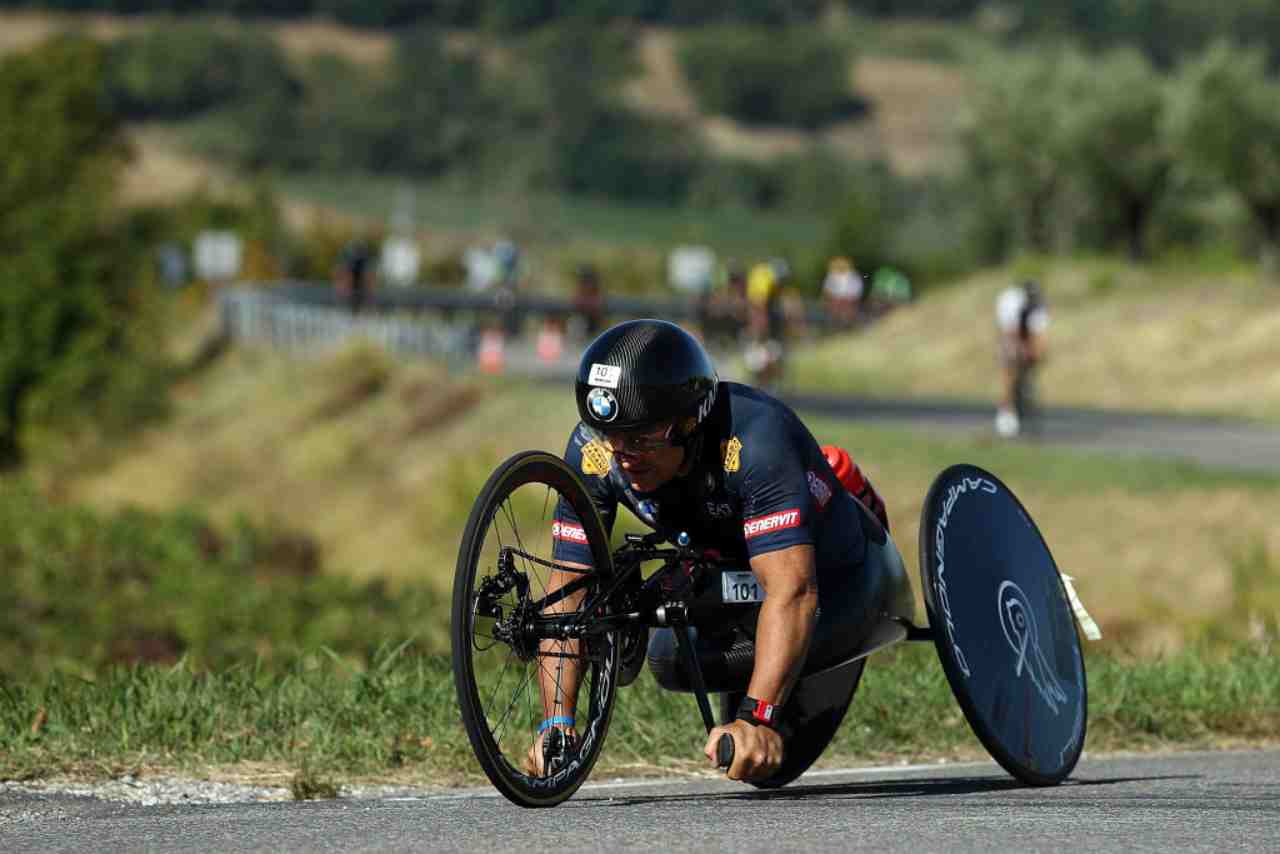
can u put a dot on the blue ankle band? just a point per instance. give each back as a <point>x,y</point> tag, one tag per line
<point>558,720</point>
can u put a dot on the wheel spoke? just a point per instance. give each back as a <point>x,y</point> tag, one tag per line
<point>519,670</point>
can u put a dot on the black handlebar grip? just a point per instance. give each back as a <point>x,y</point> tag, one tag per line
<point>724,751</point>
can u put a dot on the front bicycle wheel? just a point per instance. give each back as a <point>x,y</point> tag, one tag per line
<point>509,594</point>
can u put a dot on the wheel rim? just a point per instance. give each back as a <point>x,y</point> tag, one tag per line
<point>509,662</point>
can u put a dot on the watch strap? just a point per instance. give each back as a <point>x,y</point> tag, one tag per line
<point>760,712</point>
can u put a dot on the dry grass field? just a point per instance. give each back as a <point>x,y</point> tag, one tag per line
<point>1122,337</point>
<point>377,462</point>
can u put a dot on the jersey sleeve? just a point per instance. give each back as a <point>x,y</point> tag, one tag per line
<point>592,463</point>
<point>777,502</point>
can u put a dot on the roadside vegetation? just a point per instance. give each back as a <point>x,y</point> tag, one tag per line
<point>321,723</point>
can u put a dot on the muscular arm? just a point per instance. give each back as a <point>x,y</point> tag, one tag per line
<point>559,677</point>
<point>786,620</point>
<point>783,634</point>
<point>559,669</point>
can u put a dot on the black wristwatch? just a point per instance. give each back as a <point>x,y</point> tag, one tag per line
<point>759,712</point>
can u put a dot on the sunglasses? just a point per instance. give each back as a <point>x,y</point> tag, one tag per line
<point>634,442</point>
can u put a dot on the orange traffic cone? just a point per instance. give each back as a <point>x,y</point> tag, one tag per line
<point>492,351</point>
<point>550,343</point>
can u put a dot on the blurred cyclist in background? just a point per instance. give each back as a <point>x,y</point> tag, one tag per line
<point>767,321</point>
<point>354,275</point>
<point>1021,322</point>
<point>588,299</point>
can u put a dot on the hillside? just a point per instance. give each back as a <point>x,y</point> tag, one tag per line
<point>1122,337</point>
<point>377,462</point>
<point>912,100</point>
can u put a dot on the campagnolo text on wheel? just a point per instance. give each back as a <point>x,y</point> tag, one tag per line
<point>776,578</point>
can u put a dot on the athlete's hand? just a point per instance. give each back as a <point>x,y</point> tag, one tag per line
<point>757,750</point>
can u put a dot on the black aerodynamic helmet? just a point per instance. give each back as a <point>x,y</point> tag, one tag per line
<point>643,372</point>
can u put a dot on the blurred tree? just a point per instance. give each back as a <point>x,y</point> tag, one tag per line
<point>1113,126</point>
<point>184,68</point>
<point>797,75</point>
<point>863,229</point>
<point>1226,119</point>
<point>69,348</point>
<point>1015,145</point>
<point>444,104</point>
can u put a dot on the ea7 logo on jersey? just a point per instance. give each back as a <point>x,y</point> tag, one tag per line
<point>568,532</point>
<point>719,510</point>
<point>768,524</point>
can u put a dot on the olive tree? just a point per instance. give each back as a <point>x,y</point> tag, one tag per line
<point>1013,136</point>
<point>1226,121</point>
<point>1113,116</point>
<point>68,339</point>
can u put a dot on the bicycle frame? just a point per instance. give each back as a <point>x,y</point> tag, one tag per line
<point>627,603</point>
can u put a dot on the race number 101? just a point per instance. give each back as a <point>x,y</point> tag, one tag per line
<point>740,587</point>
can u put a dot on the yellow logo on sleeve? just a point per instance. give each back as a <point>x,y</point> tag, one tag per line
<point>729,452</point>
<point>596,459</point>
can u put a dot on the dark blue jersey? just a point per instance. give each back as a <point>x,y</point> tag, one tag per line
<point>760,483</point>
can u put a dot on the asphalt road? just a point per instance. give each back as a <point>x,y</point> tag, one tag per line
<point>1219,442</point>
<point>1226,801</point>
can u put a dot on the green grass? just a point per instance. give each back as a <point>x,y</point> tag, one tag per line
<point>398,719</point>
<point>83,590</point>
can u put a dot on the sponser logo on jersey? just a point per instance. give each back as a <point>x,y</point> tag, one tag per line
<point>568,532</point>
<point>730,453</point>
<point>595,459</point>
<point>773,522</point>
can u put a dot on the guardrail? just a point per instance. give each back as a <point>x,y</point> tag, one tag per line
<point>272,316</point>
<point>497,301</point>
<point>441,323</point>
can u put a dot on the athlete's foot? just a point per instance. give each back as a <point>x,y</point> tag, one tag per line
<point>1006,423</point>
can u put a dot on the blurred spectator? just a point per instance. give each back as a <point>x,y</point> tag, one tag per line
<point>354,275</point>
<point>506,256</point>
<point>889,288</point>
<point>171,262</point>
<point>588,299</point>
<point>842,291</point>
<point>1022,320</point>
<point>725,314</point>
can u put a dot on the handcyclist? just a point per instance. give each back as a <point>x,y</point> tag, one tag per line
<point>738,472</point>
<point>1022,320</point>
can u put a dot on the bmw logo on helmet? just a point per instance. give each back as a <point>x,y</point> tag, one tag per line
<point>604,406</point>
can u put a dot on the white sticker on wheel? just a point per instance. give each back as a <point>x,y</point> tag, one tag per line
<point>1087,625</point>
<point>741,587</point>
